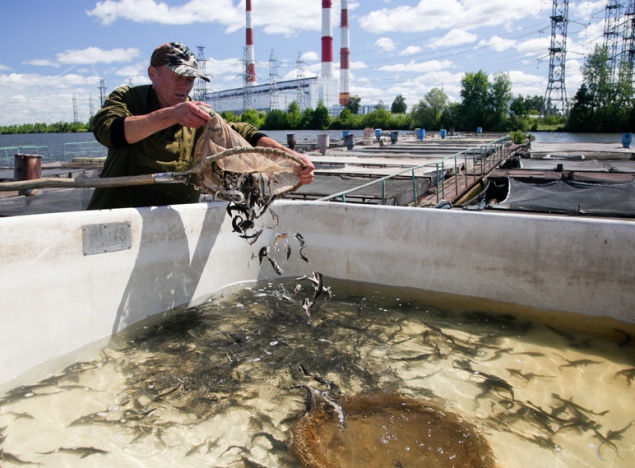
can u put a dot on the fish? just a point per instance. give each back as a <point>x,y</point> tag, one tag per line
<point>287,249</point>
<point>300,239</point>
<point>579,362</point>
<point>629,374</point>
<point>252,238</point>
<point>303,255</point>
<point>13,459</point>
<point>263,253</point>
<point>83,452</point>
<point>627,338</point>
<point>278,238</point>
<point>275,266</point>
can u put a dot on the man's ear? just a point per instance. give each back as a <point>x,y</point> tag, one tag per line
<point>152,73</point>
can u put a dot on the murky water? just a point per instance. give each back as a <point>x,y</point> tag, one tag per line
<point>224,384</point>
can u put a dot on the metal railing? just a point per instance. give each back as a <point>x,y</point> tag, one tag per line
<point>7,153</point>
<point>492,153</point>
<point>82,148</point>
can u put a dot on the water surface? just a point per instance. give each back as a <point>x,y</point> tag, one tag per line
<point>224,384</point>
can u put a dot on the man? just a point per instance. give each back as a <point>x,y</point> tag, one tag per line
<point>154,128</point>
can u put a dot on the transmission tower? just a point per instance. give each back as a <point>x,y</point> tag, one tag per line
<point>91,111</point>
<point>556,94</point>
<point>299,67</point>
<point>102,91</point>
<point>273,82</point>
<point>612,36</point>
<point>247,82</point>
<point>200,86</point>
<point>75,114</point>
<point>627,56</point>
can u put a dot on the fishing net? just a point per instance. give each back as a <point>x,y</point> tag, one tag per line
<point>257,173</point>
<point>381,429</point>
<point>249,178</point>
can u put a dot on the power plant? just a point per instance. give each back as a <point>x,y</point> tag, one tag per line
<point>306,91</point>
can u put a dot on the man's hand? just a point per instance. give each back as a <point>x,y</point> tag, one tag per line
<point>187,114</point>
<point>307,174</point>
<point>191,114</point>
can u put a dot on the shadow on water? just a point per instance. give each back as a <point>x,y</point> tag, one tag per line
<point>176,281</point>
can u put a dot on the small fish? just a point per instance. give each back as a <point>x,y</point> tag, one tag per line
<point>83,452</point>
<point>279,237</point>
<point>579,362</point>
<point>627,338</point>
<point>287,249</point>
<point>263,253</point>
<point>275,266</point>
<point>10,458</point>
<point>303,255</point>
<point>275,217</point>
<point>300,239</point>
<point>252,238</point>
<point>629,374</point>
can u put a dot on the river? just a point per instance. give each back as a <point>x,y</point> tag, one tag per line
<point>65,146</point>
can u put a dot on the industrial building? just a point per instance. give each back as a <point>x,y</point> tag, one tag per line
<point>308,92</point>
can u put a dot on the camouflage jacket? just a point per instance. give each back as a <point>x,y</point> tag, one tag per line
<point>169,150</point>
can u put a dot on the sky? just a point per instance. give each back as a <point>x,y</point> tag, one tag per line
<point>57,52</point>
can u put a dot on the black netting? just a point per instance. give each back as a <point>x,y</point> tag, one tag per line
<point>568,197</point>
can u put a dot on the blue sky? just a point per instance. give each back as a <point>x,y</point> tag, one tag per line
<point>55,50</point>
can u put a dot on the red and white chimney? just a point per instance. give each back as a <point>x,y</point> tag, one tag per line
<point>249,55</point>
<point>345,94</point>
<point>327,40</point>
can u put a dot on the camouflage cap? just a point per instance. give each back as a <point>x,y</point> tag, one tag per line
<point>178,58</point>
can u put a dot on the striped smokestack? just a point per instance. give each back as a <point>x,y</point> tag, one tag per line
<point>250,60</point>
<point>327,40</point>
<point>345,94</point>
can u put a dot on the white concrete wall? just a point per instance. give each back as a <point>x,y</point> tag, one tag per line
<point>54,299</point>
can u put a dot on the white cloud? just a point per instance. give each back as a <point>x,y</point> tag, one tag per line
<point>429,15</point>
<point>455,37</point>
<point>418,66</point>
<point>41,63</point>
<point>310,56</point>
<point>498,43</point>
<point>385,43</point>
<point>410,50</point>
<point>92,55</point>
<point>285,17</point>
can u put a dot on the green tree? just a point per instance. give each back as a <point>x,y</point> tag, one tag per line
<point>399,105</point>
<point>353,104</point>
<point>500,94</point>
<point>294,115</point>
<point>475,99</point>
<point>427,113</point>
<point>253,117</point>
<point>321,118</point>
<point>276,119</point>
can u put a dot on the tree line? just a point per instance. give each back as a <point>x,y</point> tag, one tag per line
<point>57,127</point>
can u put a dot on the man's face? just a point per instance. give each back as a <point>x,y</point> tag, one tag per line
<point>170,87</point>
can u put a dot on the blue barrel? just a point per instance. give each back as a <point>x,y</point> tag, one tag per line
<point>394,136</point>
<point>349,140</point>
<point>443,133</point>
<point>378,133</point>
<point>422,134</point>
<point>479,131</point>
<point>627,139</point>
<point>344,133</point>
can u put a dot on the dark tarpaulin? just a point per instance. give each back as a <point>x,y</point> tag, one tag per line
<point>569,197</point>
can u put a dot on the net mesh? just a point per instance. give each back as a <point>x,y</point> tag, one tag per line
<point>272,173</point>
<point>570,197</point>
